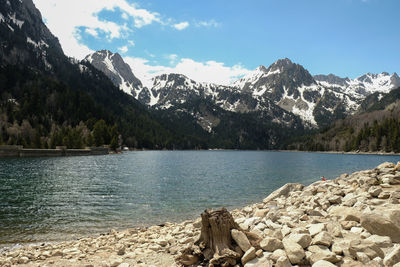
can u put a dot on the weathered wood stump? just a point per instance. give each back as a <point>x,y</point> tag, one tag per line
<point>216,244</point>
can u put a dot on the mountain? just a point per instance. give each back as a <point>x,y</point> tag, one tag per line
<point>120,73</point>
<point>362,86</point>
<point>375,127</point>
<point>319,99</point>
<point>283,90</point>
<point>25,39</point>
<point>48,99</point>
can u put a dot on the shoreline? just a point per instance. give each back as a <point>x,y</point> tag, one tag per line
<point>327,221</point>
<point>20,152</point>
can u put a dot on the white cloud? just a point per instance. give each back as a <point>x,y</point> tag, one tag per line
<point>208,23</point>
<point>123,49</point>
<point>125,16</point>
<point>172,58</point>
<point>92,32</point>
<point>210,71</point>
<point>131,43</point>
<point>85,14</point>
<point>181,26</point>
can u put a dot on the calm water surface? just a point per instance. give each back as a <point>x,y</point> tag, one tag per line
<point>48,199</point>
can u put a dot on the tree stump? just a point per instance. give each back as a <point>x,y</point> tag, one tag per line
<point>216,244</point>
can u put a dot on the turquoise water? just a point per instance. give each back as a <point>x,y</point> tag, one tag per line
<point>47,199</point>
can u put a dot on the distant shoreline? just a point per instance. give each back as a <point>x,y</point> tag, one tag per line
<point>20,152</point>
<point>380,153</point>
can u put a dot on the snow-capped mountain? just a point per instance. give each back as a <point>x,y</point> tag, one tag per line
<point>279,90</point>
<point>117,70</point>
<point>292,88</point>
<point>362,86</point>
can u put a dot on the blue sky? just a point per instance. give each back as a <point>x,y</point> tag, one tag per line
<point>220,40</point>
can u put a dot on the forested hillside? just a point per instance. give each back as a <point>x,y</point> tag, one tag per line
<point>375,128</point>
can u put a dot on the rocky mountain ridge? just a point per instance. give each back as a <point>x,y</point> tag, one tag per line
<point>317,100</point>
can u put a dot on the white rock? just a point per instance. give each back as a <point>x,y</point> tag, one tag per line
<point>277,253</point>
<point>249,255</point>
<point>323,263</point>
<point>241,239</point>
<point>393,257</point>
<point>294,251</point>
<point>260,262</point>
<point>315,229</point>
<point>284,191</point>
<point>384,223</point>
<point>323,238</point>
<point>283,262</point>
<point>304,240</point>
<point>271,244</point>
<point>374,191</point>
<point>381,241</point>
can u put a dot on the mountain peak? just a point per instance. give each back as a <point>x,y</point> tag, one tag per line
<point>116,69</point>
<point>283,62</point>
<point>261,68</point>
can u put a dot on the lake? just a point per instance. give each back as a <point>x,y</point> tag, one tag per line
<point>50,199</point>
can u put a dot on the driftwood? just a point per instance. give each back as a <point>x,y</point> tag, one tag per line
<point>216,244</point>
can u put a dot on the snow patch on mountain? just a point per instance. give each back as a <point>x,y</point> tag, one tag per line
<point>35,44</point>
<point>362,86</point>
<point>251,77</point>
<point>13,18</point>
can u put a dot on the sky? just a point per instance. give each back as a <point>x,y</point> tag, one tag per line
<point>222,40</point>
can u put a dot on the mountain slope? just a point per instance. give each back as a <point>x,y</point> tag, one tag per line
<point>48,99</point>
<point>114,67</point>
<point>293,88</point>
<point>284,88</point>
<point>376,127</point>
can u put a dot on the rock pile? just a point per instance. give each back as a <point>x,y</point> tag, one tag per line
<point>353,220</point>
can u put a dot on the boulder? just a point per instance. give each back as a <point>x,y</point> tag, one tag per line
<point>365,246</point>
<point>323,263</point>
<point>260,212</point>
<point>334,228</point>
<point>386,165</point>
<point>284,191</point>
<point>315,229</point>
<point>389,179</point>
<point>393,257</point>
<point>304,240</point>
<point>259,262</point>
<point>374,191</point>
<point>362,257</point>
<point>347,225</point>
<point>271,244</point>
<point>346,213</point>
<point>335,199</point>
<point>384,195</point>
<point>283,262</point>
<point>384,223</point>
<point>339,246</point>
<point>381,241</point>
<point>277,253</point>
<point>241,239</point>
<point>294,251</point>
<point>249,255</point>
<point>321,253</point>
<point>323,238</point>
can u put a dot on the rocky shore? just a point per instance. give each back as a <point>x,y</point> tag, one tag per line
<point>353,220</point>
